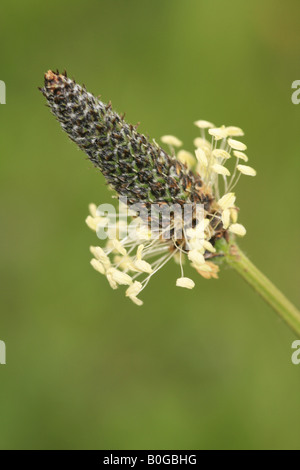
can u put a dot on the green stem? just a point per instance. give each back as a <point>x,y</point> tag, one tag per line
<point>286,310</point>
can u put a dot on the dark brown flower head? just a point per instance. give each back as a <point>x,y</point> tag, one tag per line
<point>135,167</point>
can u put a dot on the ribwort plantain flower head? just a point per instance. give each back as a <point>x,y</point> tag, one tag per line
<point>173,204</point>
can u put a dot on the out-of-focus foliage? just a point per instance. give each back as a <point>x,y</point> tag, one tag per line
<point>208,368</point>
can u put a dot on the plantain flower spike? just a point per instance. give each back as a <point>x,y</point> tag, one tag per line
<point>172,203</point>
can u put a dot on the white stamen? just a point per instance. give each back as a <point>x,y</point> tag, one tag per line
<point>100,255</point>
<point>135,300</point>
<point>185,282</point>
<point>218,132</point>
<point>134,289</point>
<point>233,215</point>
<point>111,281</point>
<point>119,247</point>
<point>93,210</point>
<point>227,201</point>
<point>240,155</point>
<point>94,222</point>
<point>246,170</point>
<point>119,277</point>
<point>226,218</point>
<point>139,252</point>
<point>201,157</point>
<point>238,229</point>
<point>143,266</point>
<point>233,131</point>
<point>196,257</point>
<point>220,170</point>
<point>203,124</point>
<point>97,265</point>
<point>237,145</point>
<point>219,153</point>
<point>208,246</point>
<point>171,140</point>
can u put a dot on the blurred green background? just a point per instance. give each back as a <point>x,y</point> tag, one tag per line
<point>209,368</point>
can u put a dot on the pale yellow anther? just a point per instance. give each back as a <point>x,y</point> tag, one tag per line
<point>196,244</point>
<point>246,170</point>
<point>233,131</point>
<point>208,246</point>
<point>100,255</point>
<point>93,209</point>
<point>203,124</point>
<point>227,201</point>
<point>119,277</point>
<point>136,301</point>
<point>117,245</point>
<point>134,289</point>
<point>109,245</point>
<point>237,145</point>
<point>98,266</point>
<point>190,232</point>
<point>95,222</point>
<point>240,155</point>
<point>219,153</point>
<point>139,252</point>
<point>220,169</point>
<point>198,232</point>
<point>185,282</point>
<point>143,266</point>
<point>234,215</point>
<point>91,223</point>
<point>238,229</point>
<point>171,140</point>
<point>118,259</point>
<point>125,263</point>
<point>97,251</point>
<point>201,227</point>
<point>201,157</point>
<point>201,169</point>
<point>196,257</point>
<point>186,157</point>
<point>226,218</point>
<point>113,284</point>
<point>218,132</point>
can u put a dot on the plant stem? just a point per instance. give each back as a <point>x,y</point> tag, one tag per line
<point>286,310</point>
